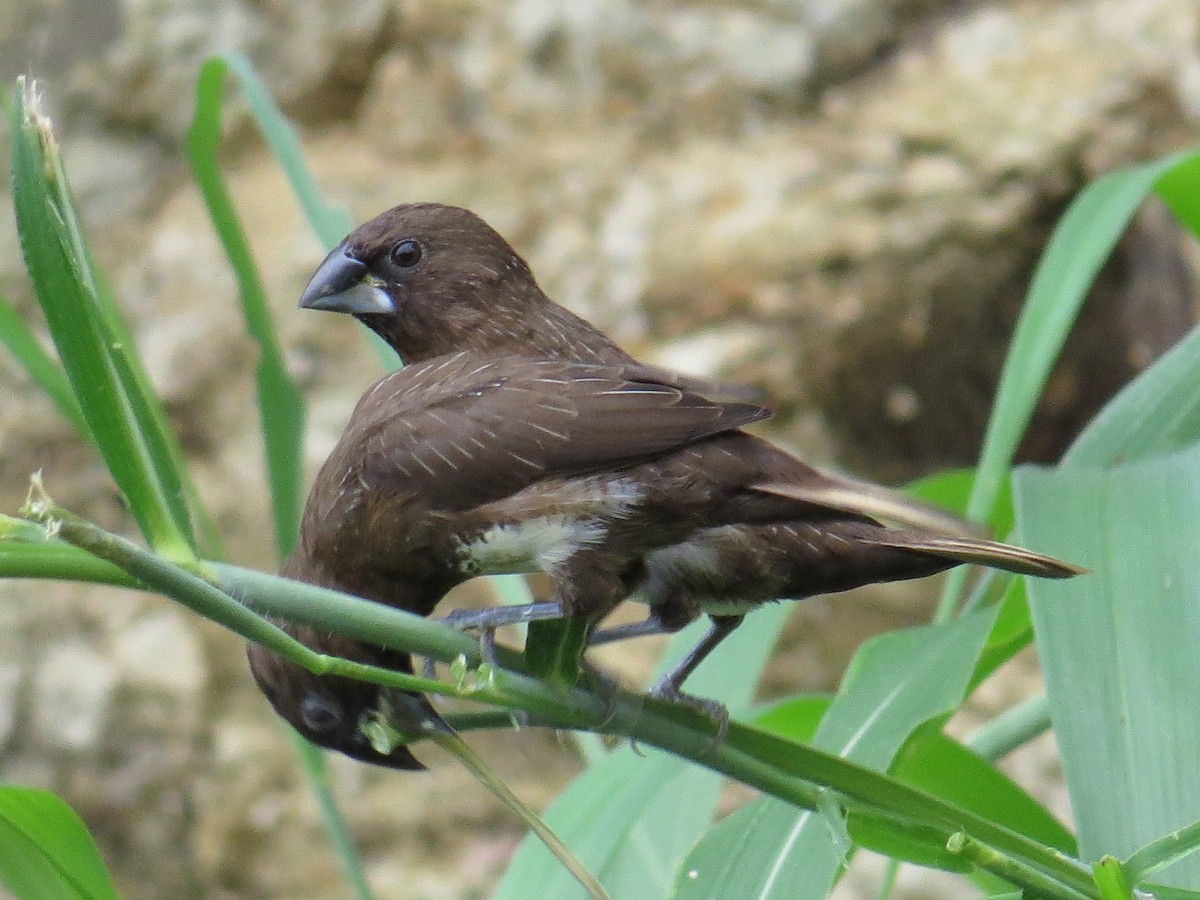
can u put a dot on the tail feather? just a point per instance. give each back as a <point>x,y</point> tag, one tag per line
<point>936,531</point>
<point>981,552</point>
<point>860,498</point>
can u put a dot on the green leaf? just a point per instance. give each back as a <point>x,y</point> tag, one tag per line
<point>629,818</point>
<point>665,803</point>
<point>46,852</point>
<point>554,648</point>
<point>330,223</point>
<point>100,361</point>
<point>896,682</point>
<point>1011,633</point>
<point>280,404</point>
<point>1082,241</point>
<point>49,375</point>
<point>952,489</point>
<point>1118,646</point>
<point>940,765</point>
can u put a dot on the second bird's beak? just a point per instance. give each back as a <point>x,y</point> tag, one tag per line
<point>344,284</point>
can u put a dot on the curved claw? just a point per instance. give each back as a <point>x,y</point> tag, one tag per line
<point>716,711</point>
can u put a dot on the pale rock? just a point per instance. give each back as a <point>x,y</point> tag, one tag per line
<point>160,651</point>
<point>73,688</point>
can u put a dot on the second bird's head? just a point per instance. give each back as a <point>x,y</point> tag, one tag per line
<point>335,713</point>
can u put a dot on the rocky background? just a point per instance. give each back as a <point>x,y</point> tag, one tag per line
<point>838,200</point>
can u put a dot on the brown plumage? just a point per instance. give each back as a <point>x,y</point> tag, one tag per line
<point>463,465</point>
<point>432,280</point>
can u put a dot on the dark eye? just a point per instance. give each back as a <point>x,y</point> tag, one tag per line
<point>320,714</point>
<point>406,254</point>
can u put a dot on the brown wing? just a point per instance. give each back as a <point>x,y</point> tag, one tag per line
<point>461,430</point>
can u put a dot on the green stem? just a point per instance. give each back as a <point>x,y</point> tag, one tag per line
<point>777,766</point>
<point>456,746</point>
<point>1162,852</point>
<point>1110,879</point>
<point>1034,883</point>
<point>316,772</point>
<point>1013,728</point>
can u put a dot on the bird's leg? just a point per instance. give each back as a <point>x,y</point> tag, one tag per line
<point>664,618</point>
<point>488,620</point>
<point>669,687</point>
<point>498,616</point>
<point>648,627</point>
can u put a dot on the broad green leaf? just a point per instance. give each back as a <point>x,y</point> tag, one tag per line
<point>629,818</point>
<point>952,489</point>
<point>1118,646</point>
<point>46,852</point>
<point>1083,239</point>
<point>940,765</point>
<point>659,804</point>
<point>896,682</point>
<point>1011,633</point>
<point>1157,412</point>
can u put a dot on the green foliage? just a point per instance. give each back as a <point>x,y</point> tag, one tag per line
<point>868,768</point>
<point>46,852</point>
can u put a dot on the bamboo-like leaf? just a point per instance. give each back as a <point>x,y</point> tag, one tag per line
<point>1082,241</point>
<point>895,683</point>
<point>330,223</point>
<point>96,359</point>
<point>281,407</point>
<point>652,807</point>
<point>44,370</point>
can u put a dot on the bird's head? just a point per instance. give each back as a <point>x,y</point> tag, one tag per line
<point>429,279</point>
<point>335,713</point>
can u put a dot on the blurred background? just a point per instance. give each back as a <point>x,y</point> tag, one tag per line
<point>839,201</point>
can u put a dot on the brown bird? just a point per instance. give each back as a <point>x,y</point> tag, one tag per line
<point>433,279</point>
<point>462,466</point>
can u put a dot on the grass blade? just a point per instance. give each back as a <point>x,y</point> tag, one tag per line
<point>44,370</point>
<point>281,407</point>
<point>94,356</point>
<point>1082,241</point>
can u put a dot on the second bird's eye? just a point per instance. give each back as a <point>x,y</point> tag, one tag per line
<point>320,714</point>
<point>406,254</point>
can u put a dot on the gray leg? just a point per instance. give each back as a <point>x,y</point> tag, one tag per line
<point>648,627</point>
<point>669,687</point>
<point>498,616</point>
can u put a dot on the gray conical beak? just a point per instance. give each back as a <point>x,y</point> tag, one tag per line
<point>343,284</point>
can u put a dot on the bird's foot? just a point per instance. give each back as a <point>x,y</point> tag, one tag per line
<point>716,711</point>
<point>606,688</point>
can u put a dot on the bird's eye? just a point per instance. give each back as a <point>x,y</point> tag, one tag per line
<point>320,714</point>
<point>406,254</point>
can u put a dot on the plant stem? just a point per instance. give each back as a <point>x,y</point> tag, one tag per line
<point>779,767</point>
<point>455,745</point>
<point>1013,728</point>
